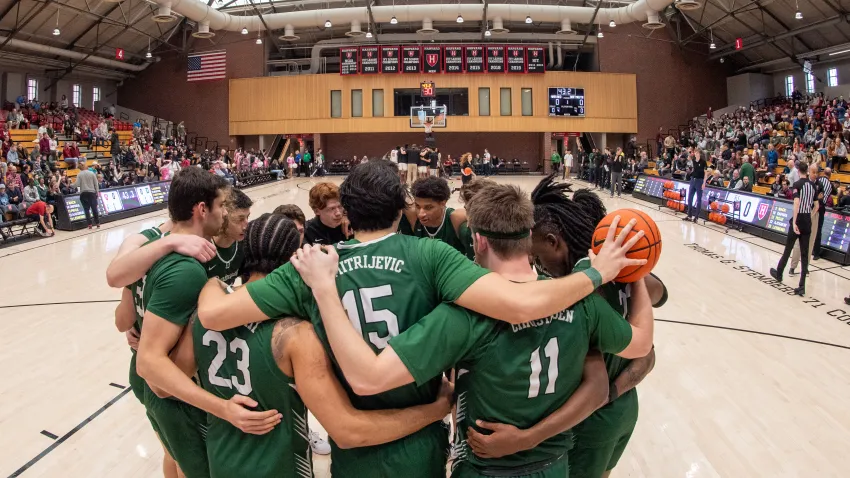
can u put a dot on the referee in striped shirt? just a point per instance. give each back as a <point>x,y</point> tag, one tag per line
<point>824,194</point>
<point>801,224</point>
<point>823,188</point>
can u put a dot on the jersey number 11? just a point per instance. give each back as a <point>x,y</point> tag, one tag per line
<point>551,353</point>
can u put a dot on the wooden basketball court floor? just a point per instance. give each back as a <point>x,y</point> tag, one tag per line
<point>749,381</point>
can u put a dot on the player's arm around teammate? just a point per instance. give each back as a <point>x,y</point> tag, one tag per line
<point>133,261</point>
<point>490,295</point>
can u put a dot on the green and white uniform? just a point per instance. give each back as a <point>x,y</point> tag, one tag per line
<point>465,236</point>
<point>445,232</point>
<point>386,285</point>
<point>136,382</point>
<point>513,374</point>
<point>170,290</point>
<point>601,438</point>
<point>241,361</point>
<point>226,263</point>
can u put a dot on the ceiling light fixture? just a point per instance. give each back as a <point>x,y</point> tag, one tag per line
<point>799,14</point>
<point>600,34</point>
<point>459,19</point>
<point>328,24</point>
<point>148,54</point>
<point>722,60</point>
<point>244,31</point>
<point>259,38</point>
<point>528,19</point>
<point>712,46</point>
<point>56,31</point>
<point>369,34</point>
<point>612,23</point>
<point>487,33</point>
<point>394,20</point>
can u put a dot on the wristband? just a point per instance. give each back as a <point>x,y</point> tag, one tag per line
<point>594,277</point>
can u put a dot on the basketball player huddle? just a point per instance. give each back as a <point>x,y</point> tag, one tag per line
<point>538,370</point>
<point>415,162</point>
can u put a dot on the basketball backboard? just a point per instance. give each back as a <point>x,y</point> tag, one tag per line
<point>435,116</point>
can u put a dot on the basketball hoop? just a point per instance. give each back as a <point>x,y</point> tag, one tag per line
<point>428,125</point>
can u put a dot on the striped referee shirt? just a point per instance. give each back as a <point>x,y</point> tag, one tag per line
<point>805,191</point>
<point>824,186</point>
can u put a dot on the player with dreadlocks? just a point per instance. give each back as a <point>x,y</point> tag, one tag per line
<point>267,362</point>
<point>562,235</point>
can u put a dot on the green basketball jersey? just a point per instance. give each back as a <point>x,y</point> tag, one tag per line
<point>226,263</point>
<point>465,236</point>
<point>241,361</point>
<point>151,233</point>
<point>445,233</point>
<point>514,374</point>
<point>386,286</point>
<point>617,295</point>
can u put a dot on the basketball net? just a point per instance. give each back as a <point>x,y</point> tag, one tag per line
<point>428,126</point>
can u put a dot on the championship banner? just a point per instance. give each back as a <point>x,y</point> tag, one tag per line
<point>389,59</point>
<point>369,60</point>
<point>348,64</point>
<point>516,59</point>
<point>453,59</point>
<point>495,59</point>
<point>474,59</point>
<point>535,60</point>
<point>411,59</point>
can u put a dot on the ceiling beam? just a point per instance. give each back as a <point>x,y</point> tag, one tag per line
<point>268,30</point>
<point>16,3</point>
<point>783,25</point>
<point>586,34</point>
<point>485,25</point>
<point>742,9</point>
<point>97,22</point>
<point>19,27</point>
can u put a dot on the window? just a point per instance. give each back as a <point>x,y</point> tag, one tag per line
<point>336,103</point>
<point>832,77</point>
<point>95,96</point>
<point>789,85</point>
<point>527,108</point>
<point>32,89</point>
<point>505,101</point>
<point>483,101</point>
<point>356,103</point>
<point>456,100</point>
<point>810,83</point>
<point>377,103</point>
<point>77,95</point>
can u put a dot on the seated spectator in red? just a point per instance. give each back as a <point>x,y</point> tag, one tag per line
<point>71,154</point>
<point>41,211</point>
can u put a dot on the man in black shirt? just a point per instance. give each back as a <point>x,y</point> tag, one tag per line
<point>402,164</point>
<point>601,160</point>
<point>696,186</point>
<point>801,225</point>
<point>617,173</point>
<point>328,226</point>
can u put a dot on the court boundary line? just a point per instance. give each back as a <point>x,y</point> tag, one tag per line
<point>60,303</point>
<point>68,435</point>
<point>757,332</point>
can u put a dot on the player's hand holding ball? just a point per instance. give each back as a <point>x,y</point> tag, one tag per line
<point>641,250</point>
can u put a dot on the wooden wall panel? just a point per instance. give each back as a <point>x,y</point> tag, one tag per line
<point>301,104</point>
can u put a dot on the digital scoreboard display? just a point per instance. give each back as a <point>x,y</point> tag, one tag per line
<point>761,211</point>
<point>566,101</point>
<point>120,199</point>
<point>427,89</point>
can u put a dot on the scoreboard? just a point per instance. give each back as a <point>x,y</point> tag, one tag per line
<point>566,101</point>
<point>112,201</point>
<point>427,89</point>
<point>381,59</point>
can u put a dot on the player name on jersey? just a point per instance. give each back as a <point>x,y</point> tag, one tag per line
<point>369,57</point>
<point>389,59</point>
<point>373,59</point>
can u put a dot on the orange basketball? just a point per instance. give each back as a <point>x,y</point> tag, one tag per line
<point>725,208</point>
<point>722,219</point>
<point>714,206</point>
<point>648,247</point>
<point>467,171</point>
<point>682,206</point>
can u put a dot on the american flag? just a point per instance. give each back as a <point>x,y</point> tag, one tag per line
<point>209,65</point>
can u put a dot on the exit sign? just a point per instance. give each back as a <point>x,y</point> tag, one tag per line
<point>119,54</point>
<point>739,43</point>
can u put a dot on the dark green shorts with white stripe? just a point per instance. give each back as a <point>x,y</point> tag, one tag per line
<point>182,429</point>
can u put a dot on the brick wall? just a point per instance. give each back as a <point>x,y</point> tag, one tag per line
<point>524,146</point>
<point>162,90</point>
<point>673,86</point>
